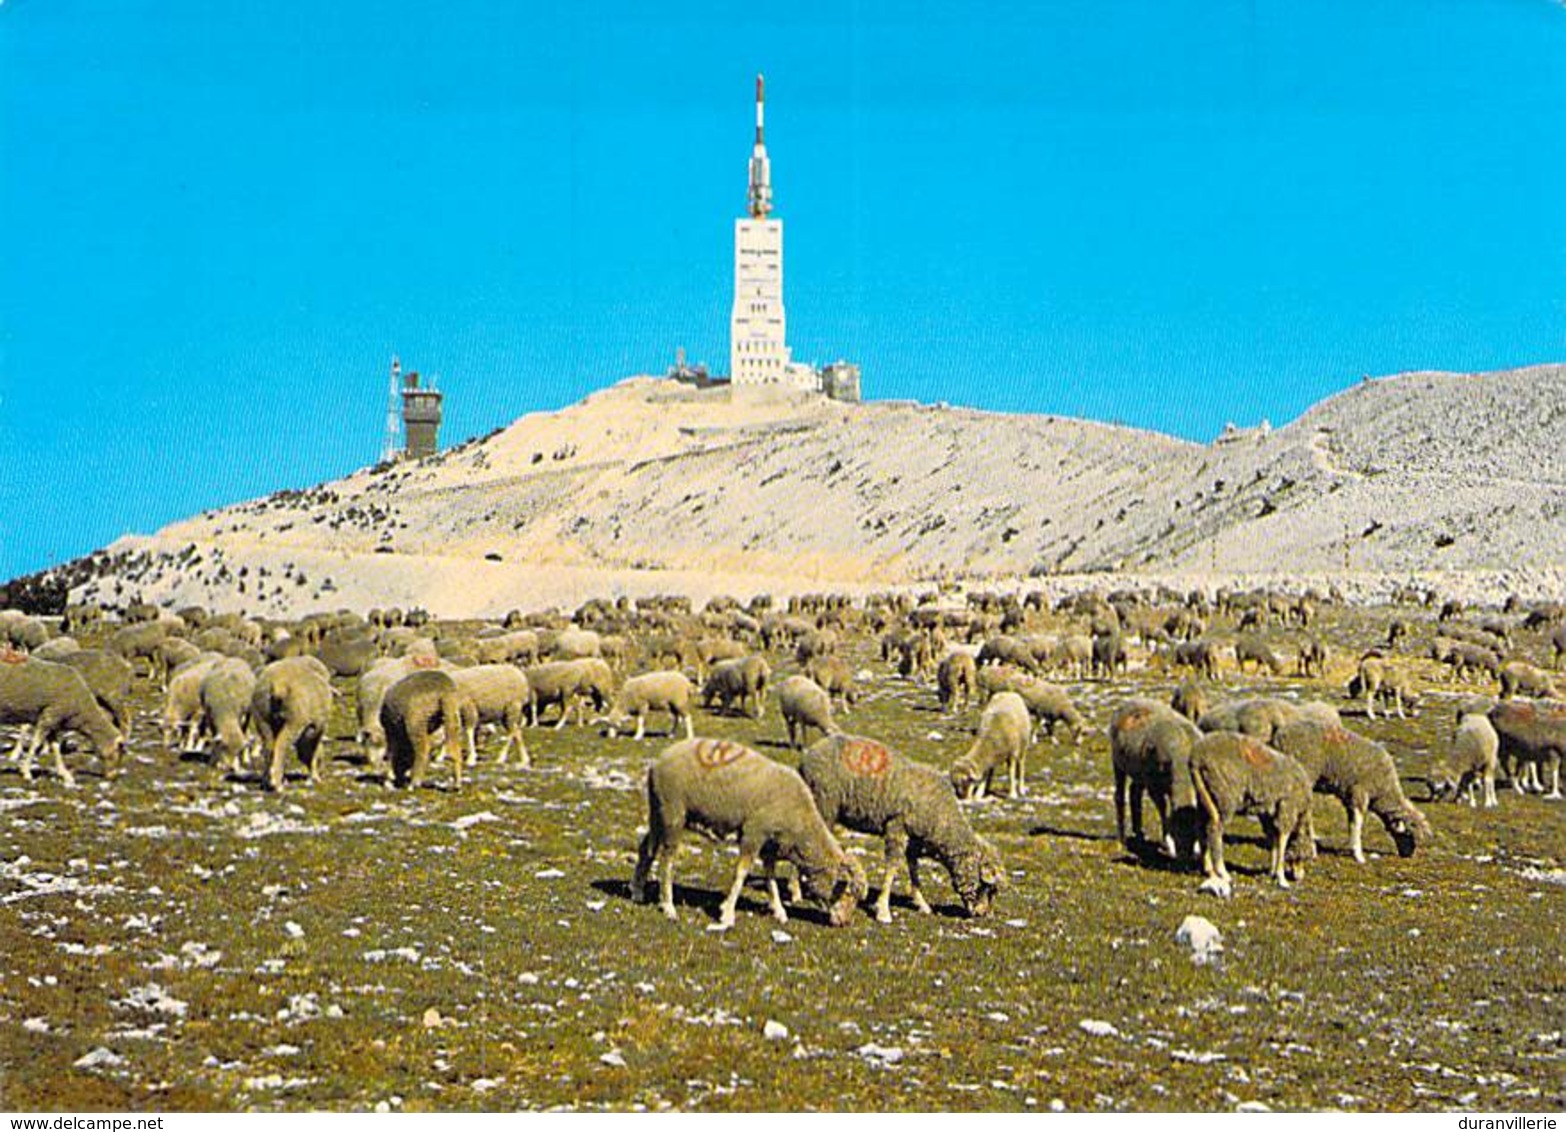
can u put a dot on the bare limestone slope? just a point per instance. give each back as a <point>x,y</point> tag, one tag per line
<point>651,487</point>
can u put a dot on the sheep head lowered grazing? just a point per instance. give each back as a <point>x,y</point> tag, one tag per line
<point>724,789</point>
<point>870,788</point>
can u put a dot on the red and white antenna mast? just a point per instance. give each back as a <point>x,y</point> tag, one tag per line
<point>393,443</point>
<point>760,167</point>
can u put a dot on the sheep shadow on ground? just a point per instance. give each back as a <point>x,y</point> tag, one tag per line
<point>709,900</point>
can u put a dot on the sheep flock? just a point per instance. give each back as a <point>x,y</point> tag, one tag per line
<point>942,814</point>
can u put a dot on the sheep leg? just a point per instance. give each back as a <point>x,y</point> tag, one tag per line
<point>565,711</point>
<point>769,861</point>
<point>1278,839</point>
<point>1016,773</point>
<point>1120,804</point>
<point>60,769</point>
<point>666,881</point>
<point>920,903</point>
<point>690,729</point>
<point>1137,790</point>
<point>1161,804</point>
<point>747,860</point>
<point>1217,882</point>
<point>1356,817</point>
<point>645,852</point>
<point>1555,780</point>
<point>524,756</point>
<point>896,849</point>
<point>641,725</point>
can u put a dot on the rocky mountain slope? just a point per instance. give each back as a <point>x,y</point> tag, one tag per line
<point>652,487</point>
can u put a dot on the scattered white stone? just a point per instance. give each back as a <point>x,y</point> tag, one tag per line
<point>1201,936</point>
<point>155,1000</point>
<point>781,936</point>
<point>613,1058</point>
<point>199,955</point>
<point>935,736</point>
<point>36,1025</point>
<point>432,1019</point>
<point>528,979</point>
<point>998,1016</point>
<point>596,905</point>
<point>282,1049</point>
<point>293,930</point>
<point>1097,1028</point>
<point>468,821</point>
<point>774,1031</point>
<point>549,874</point>
<point>1197,1057</point>
<point>98,1057</point>
<point>1016,923</point>
<point>887,1055</point>
<point>1252,1106</point>
<point>485,1084</point>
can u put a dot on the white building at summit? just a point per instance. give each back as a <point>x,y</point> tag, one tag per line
<point>758,343</point>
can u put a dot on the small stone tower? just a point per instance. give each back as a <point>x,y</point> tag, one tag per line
<point>420,417</point>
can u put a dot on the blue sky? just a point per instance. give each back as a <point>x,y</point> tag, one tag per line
<point>219,221</point>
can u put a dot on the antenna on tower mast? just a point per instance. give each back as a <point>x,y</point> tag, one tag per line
<point>393,442</point>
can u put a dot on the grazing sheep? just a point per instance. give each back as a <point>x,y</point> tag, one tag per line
<point>742,680</point>
<point>1532,735</point>
<point>56,648</point>
<point>517,647</point>
<point>112,679</point>
<point>836,679</point>
<point>1466,660</point>
<point>1074,657</point>
<point>1558,644</point>
<point>577,644</point>
<point>289,710</point>
<point>869,788</point>
<point>1519,678</point>
<point>53,699</point>
<point>569,683</point>
<point>414,709</point>
<point>1360,774</point>
<point>347,655</point>
<point>1470,763</point>
<point>1376,679</point>
<point>1002,740</point>
<point>956,678</point>
<point>711,650</point>
<point>1312,658</point>
<point>1234,774</point>
<point>1201,655</point>
<point>1191,699</point>
<point>21,631</point>
<point>182,701</point>
<point>723,789</point>
<point>370,692</point>
<point>1251,649</point>
<point>1007,650</point>
<point>1150,750</point>
<point>499,694</point>
<point>1260,718</point>
<point>173,652</point>
<point>1109,655</point>
<point>803,704</point>
<point>916,655</point>
<point>226,693</point>
<point>140,642</point>
<point>654,691</point>
<point>1050,704</point>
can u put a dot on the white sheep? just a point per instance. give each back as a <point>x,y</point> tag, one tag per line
<point>724,789</point>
